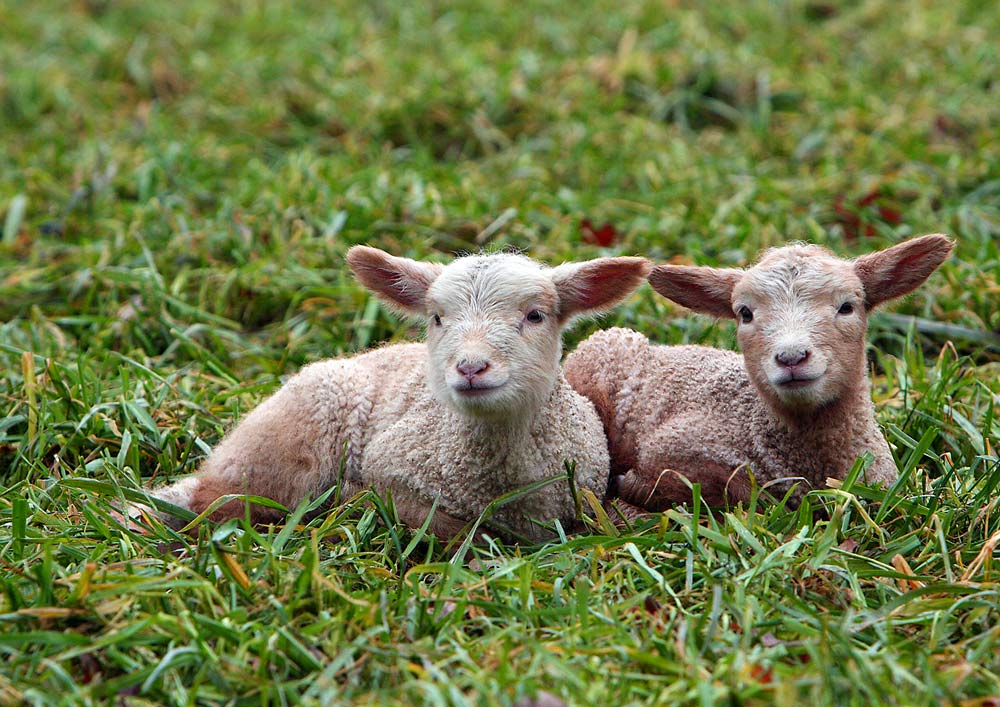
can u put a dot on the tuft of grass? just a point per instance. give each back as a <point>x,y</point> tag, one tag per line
<point>178,186</point>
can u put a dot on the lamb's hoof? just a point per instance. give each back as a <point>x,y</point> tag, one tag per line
<point>623,514</point>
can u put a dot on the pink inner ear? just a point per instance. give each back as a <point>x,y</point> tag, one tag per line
<point>909,262</point>
<point>401,282</point>
<point>702,289</point>
<point>399,288</point>
<point>599,284</point>
<point>899,270</point>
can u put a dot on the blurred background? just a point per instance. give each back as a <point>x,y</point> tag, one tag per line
<point>194,159</point>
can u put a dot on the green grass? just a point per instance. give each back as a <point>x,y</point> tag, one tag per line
<point>178,184</point>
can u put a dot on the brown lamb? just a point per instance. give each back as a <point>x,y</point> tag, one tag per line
<point>793,410</point>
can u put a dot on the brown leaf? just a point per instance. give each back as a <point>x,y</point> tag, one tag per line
<point>849,545</point>
<point>604,236</point>
<point>765,676</point>
<point>857,216</point>
<point>903,567</point>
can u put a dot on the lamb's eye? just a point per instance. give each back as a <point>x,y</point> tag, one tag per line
<point>437,320</point>
<point>746,316</point>
<point>846,308</point>
<point>534,316</point>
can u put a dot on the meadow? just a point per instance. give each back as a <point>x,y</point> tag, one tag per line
<point>179,183</point>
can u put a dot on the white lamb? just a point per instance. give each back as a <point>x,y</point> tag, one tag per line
<point>481,409</point>
<point>795,408</point>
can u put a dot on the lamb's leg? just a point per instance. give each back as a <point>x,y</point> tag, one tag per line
<point>198,492</point>
<point>622,513</point>
<point>290,447</point>
<point>883,471</point>
<point>656,491</point>
<point>413,510</point>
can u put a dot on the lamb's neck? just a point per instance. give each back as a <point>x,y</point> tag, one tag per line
<point>845,419</point>
<point>507,427</point>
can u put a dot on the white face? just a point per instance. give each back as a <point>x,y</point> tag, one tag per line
<point>494,322</point>
<point>802,322</point>
<point>802,313</point>
<point>493,335</point>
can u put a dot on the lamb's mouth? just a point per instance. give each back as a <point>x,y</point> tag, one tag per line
<point>469,390</point>
<point>794,382</point>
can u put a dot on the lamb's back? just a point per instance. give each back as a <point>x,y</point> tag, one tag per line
<point>638,386</point>
<point>297,441</point>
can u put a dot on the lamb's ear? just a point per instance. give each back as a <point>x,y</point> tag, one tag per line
<point>705,290</point>
<point>399,282</point>
<point>596,285</point>
<point>893,272</point>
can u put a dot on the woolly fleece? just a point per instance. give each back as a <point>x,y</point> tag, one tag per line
<point>375,413</point>
<point>479,411</point>
<point>794,408</point>
<point>694,413</point>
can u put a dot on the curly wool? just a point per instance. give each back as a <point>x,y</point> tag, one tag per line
<point>795,408</point>
<point>373,419</point>
<point>692,412</point>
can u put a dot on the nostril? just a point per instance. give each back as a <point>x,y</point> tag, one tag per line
<point>470,369</point>
<point>791,358</point>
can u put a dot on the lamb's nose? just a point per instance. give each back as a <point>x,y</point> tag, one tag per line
<point>471,369</point>
<point>791,358</point>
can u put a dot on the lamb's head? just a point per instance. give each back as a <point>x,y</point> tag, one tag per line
<point>802,313</point>
<point>494,322</point>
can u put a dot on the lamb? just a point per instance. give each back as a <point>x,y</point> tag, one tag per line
<point>481,409</point>
<point>794,410</point>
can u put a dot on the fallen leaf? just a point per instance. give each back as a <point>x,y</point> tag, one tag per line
<point>604,236</point>
<point>857,217</point>
<point>903,567</point>
<point>849,545</point>
<point>765,676</point>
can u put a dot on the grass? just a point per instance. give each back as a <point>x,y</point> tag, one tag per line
<point>178,185</point>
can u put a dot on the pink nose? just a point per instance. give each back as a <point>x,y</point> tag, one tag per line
<point>471,369</point>
<point>789,359</point>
